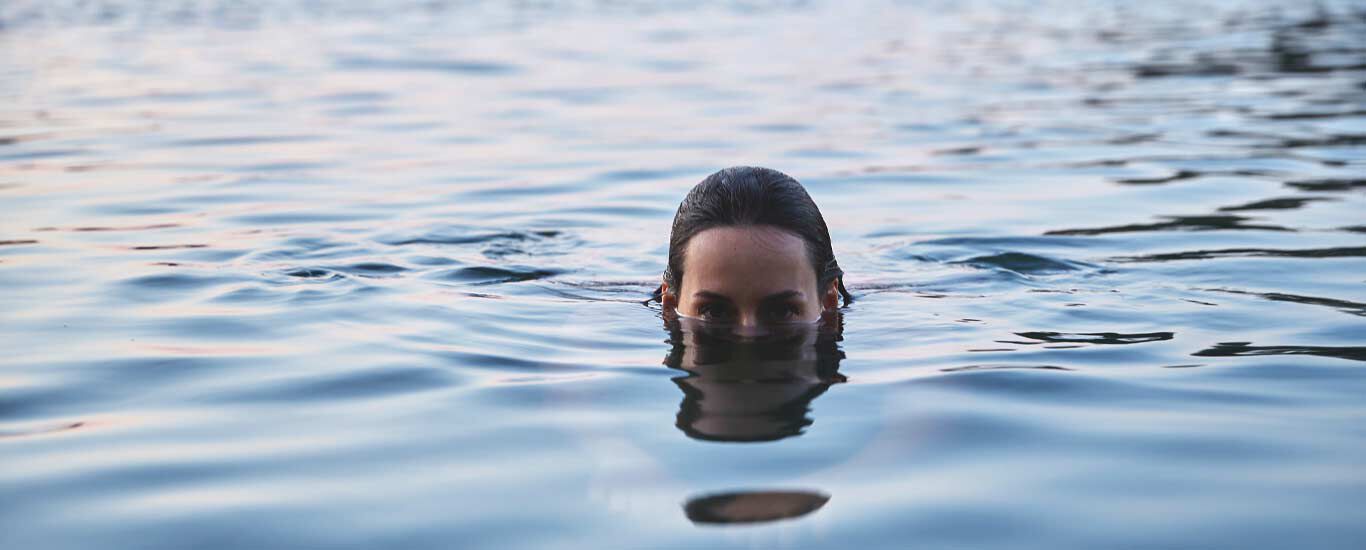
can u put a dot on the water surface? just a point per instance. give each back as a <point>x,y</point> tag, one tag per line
<point>283,274</point>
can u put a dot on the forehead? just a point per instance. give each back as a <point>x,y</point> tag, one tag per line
<point>738,261</point>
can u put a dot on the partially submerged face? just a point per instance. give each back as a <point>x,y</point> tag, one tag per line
<point>750,277</point>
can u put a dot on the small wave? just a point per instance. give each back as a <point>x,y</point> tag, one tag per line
<point>315,274</point>
<point>1339,252</point>
<point>41,430</point>
<point>1287,203</point>
<point>965,368</point>
<point>492,275</point>
<point>1010,243</point>
<point>1346,306</point>
<point>1022,263</point>
<point>1100,338</point>
<point>370,269</point>
<point>231,141</point>
<point>1328,184</point>
<point>458,236</point>
<point>1177,223</point>
<point>1239,349</point>
<point>453,66</point>
<point>365,384</point>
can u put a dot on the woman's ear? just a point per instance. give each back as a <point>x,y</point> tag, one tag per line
<point>667,297</point>
<point>830,299</point>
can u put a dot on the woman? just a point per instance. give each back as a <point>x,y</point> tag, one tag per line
<point>750,249</point>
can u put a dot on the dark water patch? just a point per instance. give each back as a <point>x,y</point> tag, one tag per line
<point>1238,349</point>
<point>1202,67</point>
<point>1335,140</point>
<point>1339,252</point>
<point>431,260</point>
<point>1346,306</point>
<point>1288,203</point>
<point>16,242</point>
<point>166,246</point>
<point>957,151</point>
<point>1353,229</point>
<point>1022,263</point>
<point>494,275</point>
<point>103,228</point>
<point>371,269</point>
<point>1178,223</point>
<point>314,273</point>
<point>1315,115</point>
<point>1329,184</point>
<point>463,67</point>
<point>1100,338</point>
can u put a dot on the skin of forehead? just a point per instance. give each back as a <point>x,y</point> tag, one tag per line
<point>747,264</point>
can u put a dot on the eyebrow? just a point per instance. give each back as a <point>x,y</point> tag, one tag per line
<point>775,297</point>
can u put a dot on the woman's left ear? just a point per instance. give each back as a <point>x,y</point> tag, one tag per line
<point>830,300</point>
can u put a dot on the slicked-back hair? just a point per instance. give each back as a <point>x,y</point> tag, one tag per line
<point>751,196</point>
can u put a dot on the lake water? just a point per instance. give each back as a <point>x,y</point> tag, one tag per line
<point>289,274</point>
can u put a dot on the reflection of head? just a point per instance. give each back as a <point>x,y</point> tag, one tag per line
<point>753,506</point>
<point>745,389</point>
<point>751,196</point>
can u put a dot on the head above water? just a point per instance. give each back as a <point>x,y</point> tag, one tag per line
<point>749,247</point>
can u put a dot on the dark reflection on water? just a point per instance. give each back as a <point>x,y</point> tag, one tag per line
<point>753,506</point>
<point>747,390</point>
<point>1090,338</point>
<point>1234,349</point>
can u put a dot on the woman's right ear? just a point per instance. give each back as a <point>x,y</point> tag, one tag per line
<point>667,297</point>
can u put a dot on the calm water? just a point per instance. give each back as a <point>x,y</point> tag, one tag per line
<point>287,274</point>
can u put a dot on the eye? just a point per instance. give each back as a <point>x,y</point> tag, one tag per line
<point>712,311</point>
<point>783,313</point>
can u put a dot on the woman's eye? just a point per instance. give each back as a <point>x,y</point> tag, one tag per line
<point>786,312</point>
<point>713,312</point>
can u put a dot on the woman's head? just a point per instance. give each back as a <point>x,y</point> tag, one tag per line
<point>749,247</point>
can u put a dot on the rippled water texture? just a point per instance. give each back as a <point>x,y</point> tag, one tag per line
<point>288,274</point>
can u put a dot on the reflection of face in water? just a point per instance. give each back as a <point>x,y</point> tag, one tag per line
<point>751,388</point>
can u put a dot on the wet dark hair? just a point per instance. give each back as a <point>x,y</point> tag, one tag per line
<point>753,196</point>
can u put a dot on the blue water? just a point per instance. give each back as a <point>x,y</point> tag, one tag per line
<point>287,274</point>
